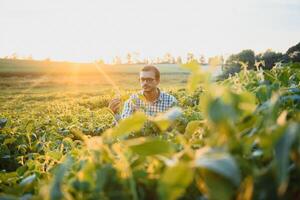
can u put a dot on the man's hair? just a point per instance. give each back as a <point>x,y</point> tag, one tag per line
<point>152,68</point>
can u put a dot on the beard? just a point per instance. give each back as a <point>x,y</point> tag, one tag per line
<point>148,88</point>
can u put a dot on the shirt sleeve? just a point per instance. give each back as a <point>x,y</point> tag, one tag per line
<point>174,101</point>
<point>128,109</point>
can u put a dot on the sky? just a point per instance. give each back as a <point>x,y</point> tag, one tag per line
<point>83,31</point>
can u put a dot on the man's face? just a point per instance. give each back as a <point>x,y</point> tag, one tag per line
<point>148,81</point>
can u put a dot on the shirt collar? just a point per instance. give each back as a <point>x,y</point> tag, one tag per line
<point>160,97</point>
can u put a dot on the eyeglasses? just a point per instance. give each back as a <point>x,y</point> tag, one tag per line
<point>148,80</point>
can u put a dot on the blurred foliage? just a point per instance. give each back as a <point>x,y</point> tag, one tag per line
<point>232,139</point>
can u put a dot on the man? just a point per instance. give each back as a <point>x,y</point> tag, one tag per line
<point>151,100</point>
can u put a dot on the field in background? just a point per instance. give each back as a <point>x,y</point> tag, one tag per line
<point>44,76</point>
<point>24,76</point>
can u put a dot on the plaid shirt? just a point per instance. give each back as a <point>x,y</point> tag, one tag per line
<point>138,102</point>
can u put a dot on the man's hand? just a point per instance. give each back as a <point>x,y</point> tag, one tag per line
<point>114,105</point>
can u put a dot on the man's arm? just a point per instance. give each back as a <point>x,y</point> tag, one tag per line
<point>175,102</point>
<point>128,109</point>
<point>172,101</point>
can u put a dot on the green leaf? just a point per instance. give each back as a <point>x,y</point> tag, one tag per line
<point>56,192</point>
<point>247,102</point>
<point>218,162</point>
<point>193,65</point>
<point>193,81</point>
<point>3,122</point>
<point>263,93</point>
<point>192,127</point>
<point>130,124</point>
<point>56,155</point>
<point>214,186</point>
<point>163,124</point>
<point>282,152</point>
<point>9,140</point>
<point>28,180</point>
<point>87,174</point>
<point>175,180</point>
<point>149,146</point>
<point>219,112</point>
<point>21,170</point>
<point>30,126</point>
<point>196,77</point>
<point>219,175</point>
<point>165,119</point>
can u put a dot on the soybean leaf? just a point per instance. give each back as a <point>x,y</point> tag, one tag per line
<point>56,155</point>
<point>56,192</point>
<point>214,185</point>
<point>165,119</point>
<point>3,122</point>
<point>175,180</point>
<point>219,162</point>
<point>192,127</point>
<point>149,146</point>
<point>130,124</point>
<point>282,151</point>
<point>28,180</point>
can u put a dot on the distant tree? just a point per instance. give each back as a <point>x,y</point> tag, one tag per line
<point>245,56</point>
<point>190,57</point>
<point>157,60</point>
<point>14,56</point>
<point>179,60</point>
<point>231,60</point>
<point>248,57</point>
<point>135,56</point>
<point>117,60</point>
<point>146,61</point>
<point>293,53</point>
<point>173,60</point>
<point>129,58</point>
<point>270,58</point>
<point>233,63</point>
<point>202,59</point>
<point>168,58</point>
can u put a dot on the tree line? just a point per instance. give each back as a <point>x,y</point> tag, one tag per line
<point>266,60</point>
<point>167,58</point>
